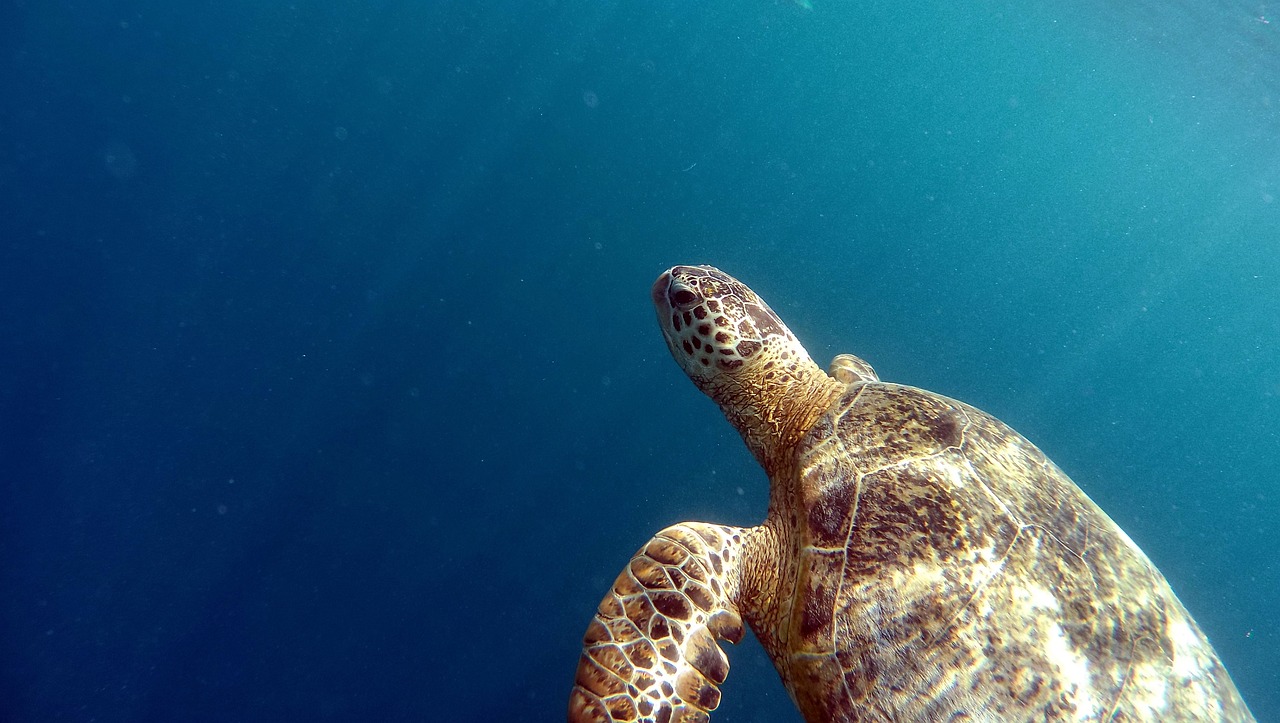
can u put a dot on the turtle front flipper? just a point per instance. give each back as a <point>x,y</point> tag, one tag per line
<point>650,653</point>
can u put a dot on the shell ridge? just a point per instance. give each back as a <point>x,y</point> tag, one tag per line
<point>981,478</point>
<point>844,578</point>
<point>935,640</point>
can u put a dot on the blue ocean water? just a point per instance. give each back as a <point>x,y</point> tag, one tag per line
<point>329,386</point>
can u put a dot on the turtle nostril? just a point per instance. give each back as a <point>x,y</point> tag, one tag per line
<point>683,297</point>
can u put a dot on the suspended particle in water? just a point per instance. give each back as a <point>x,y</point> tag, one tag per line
<point>590,98</point>
<point>119,160</point>
<point>340,133</point>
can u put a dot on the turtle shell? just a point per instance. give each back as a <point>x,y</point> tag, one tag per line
<point>943,565</point>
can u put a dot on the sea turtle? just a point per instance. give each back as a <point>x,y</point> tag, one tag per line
<point>920,561</point>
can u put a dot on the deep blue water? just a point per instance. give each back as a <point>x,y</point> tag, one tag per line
<point>329,387</point>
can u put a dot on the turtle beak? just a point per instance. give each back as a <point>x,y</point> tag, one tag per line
<point>659,292</point>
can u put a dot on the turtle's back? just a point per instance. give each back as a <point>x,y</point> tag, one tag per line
<point>945,567</point>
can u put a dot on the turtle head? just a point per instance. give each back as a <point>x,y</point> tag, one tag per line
<point>716,327</point>
<point>737,351</point>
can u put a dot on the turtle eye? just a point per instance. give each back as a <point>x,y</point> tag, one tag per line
<point>683,297</point>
